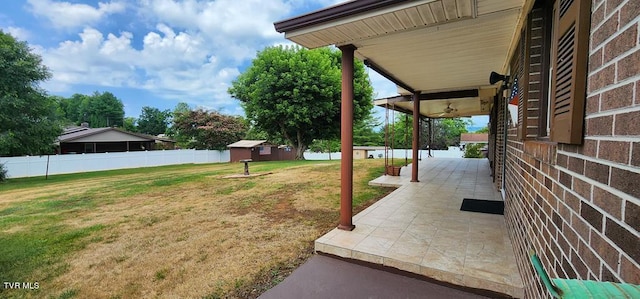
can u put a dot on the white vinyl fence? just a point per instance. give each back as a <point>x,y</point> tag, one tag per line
<point>30,166</point>
<point>453,152</point>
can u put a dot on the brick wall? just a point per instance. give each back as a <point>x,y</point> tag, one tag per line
<point>578,207</point>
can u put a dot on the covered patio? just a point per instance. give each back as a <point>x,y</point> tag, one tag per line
<point>440,54</point>
<point>419,228</point>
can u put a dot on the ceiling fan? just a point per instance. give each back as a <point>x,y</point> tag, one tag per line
<point>447,110</point>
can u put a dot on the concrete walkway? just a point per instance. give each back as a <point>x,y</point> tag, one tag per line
<point>328,277</point>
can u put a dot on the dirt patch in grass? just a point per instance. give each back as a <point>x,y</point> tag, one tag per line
<point>183,232</point>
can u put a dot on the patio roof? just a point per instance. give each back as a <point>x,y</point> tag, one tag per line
<point>445,47</point>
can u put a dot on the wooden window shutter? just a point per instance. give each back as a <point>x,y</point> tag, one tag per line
<point>520,72</point>
<point>570,57</point>
<point>523,74</point>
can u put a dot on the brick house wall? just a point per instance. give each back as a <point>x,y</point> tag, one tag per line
<point>578,206</point>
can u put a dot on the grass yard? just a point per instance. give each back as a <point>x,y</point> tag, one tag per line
<point>178,231</point>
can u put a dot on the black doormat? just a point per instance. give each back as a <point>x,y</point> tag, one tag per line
<point>483,206</point>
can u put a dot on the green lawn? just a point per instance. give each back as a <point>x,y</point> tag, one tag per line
<point>182,231</point>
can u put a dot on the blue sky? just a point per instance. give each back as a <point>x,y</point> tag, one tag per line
<point>155,52</point>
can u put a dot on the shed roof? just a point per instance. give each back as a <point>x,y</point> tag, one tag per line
<point>368,148</point>
<point>247,143</point>
<point>474,137</point>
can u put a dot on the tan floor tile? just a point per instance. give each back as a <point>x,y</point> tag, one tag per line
<point>437,274</point>
<point>408,252</point>
<point>402,264</point>
<point>394,223</point>
<point>391,233</point>
<point>367,257</point>
<point>475,282</point>
<point>335,250</point>
<point>455,226</point>
<point>446,260</point>
<point>346,239</point>
<point>418,234</point>
<point>375,245</point>
<point>488,274</point>
<point>371,220</point>
<point>364,229</point>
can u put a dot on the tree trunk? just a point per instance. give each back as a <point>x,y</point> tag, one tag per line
<point>300,147</point>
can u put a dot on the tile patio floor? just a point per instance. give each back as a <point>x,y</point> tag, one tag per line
<point>419,228</point>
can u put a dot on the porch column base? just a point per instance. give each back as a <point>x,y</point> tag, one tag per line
<point>346,227</point>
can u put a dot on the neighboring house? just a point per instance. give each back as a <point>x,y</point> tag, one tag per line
<point>259,150</point>
<point>479,138</point>
<point>77,140</point>
<point>568,164</point>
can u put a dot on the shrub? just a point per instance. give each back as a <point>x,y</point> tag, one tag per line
<point>3,173</point>
<point>473,151</point>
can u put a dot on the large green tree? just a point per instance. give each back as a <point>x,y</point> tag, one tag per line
<point>201,129</point>
<point>99,109</point>
<point>153,121</point>
<point>294,93</point>
<point>28,124</point>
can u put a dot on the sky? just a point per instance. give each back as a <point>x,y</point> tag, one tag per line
<point>156,53</point>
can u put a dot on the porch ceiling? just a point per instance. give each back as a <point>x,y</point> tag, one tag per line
<point>427,46</point>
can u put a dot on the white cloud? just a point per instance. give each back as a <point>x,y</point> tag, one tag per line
<point>72,15</point>
<point>172,65</point>
<point>17,32</point>
<point>187,50</point>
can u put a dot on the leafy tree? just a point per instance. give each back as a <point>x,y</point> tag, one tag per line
<point>99,109</point>
<point>364,132</point>
<point>177,113</point>
<point>3,173</point>
<point>294,93</point>
<point>400,131</point>
<point>325,146</point>
<point>201,129</point>
<point>181,107</point>
<point>130,124</point>
<point>483,130</point>
<point>446,132</point>
<point>152,121</point>
<point>103,110</point>
<point>28,124</point>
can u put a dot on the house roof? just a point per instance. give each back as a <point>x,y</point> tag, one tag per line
<point>474,137</point>
<point>82,134</point>
<point>444,49</point>
<point>247,143</point>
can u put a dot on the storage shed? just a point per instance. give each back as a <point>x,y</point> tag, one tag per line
<point>259,150</point>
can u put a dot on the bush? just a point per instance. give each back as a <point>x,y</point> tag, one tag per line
<point>3,173</point>
<point>473,151</point>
